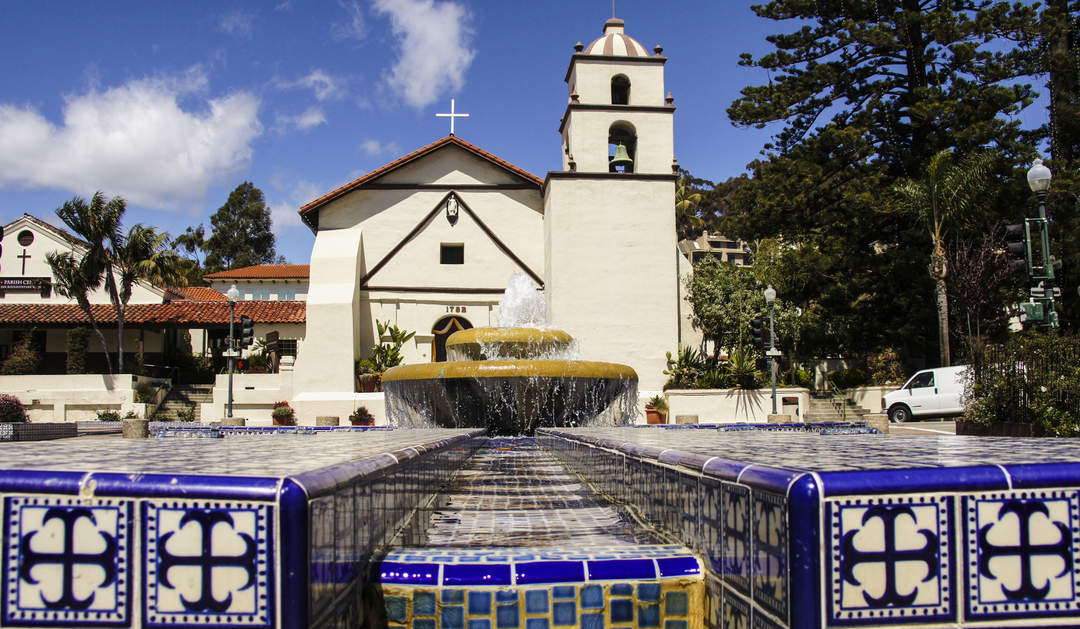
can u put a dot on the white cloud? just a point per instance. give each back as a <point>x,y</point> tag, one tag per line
<point>284,214</point>
<point>133,140</point>
<point>309,119</point>
<point>324,85</point>
<point>374,147</point>
<point>354,26</point>
<point>238,23</point>
<point>435,48</point>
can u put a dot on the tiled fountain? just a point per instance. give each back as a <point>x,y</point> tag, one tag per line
<point>580,524</point>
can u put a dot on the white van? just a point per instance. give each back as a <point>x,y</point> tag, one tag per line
<point>929,393</point>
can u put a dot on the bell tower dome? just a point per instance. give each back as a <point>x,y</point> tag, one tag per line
<point>617,98</point>
<point>609,214</point>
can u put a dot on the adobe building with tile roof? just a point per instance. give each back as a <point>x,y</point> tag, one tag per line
<point>429,240</point>
<point>155,320</point>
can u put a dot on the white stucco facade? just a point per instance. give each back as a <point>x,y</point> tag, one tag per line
<point>438,233</point>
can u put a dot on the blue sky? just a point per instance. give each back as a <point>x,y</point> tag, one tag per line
<point>173,104</point>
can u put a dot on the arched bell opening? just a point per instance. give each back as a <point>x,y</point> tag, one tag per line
<point>441,331</point>
<point>622,147</point>
<point>620,90</point>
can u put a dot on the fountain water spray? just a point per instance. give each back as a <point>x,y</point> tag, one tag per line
<point>511,379</point>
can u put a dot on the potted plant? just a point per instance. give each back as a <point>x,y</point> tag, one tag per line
<point>283,414</point>
<point>367,379</point>
<point>362,417</point>
<point>656,410</point>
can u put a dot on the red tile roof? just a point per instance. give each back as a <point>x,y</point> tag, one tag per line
<point>199,293</point>
<point>308,212</point>
<point>263,272</point>
<point>182,312</point>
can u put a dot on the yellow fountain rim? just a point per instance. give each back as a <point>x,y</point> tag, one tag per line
<point>510,369</point>
<point>507,335</point>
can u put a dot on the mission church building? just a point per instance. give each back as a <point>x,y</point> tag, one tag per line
<point>429,240</point>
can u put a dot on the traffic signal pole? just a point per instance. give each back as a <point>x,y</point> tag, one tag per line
<point>232,344</point>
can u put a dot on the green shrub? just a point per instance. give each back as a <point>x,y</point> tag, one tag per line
<point>684,369</point>
<point>283,414</point>
<point>848,378</point>
<point>885,367</point>
<point>78,339</point>
<point>361,417</point>
<point>145,393</point>
<point>11,409</point>
<point>657,403</point>
<point>186,414</point>
<point>1033,379</point>
<point>23,360</point>
<point>715,378</point>
<point>108,416</point>
<point>742,369</point>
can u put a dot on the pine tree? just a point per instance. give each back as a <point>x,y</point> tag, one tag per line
<point>241,232</point>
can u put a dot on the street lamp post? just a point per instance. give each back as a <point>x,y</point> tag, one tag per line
<point>770,297</point>
<point>232,294</point>
<point>1038,177</point>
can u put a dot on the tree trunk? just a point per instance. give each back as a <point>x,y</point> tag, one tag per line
<point>943,321</point>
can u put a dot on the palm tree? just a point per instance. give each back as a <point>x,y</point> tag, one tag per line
<point>75,279</point>
<point>97,223</point>
<point>945,200</point>
<point>142,253</point>
<point>687,222</point>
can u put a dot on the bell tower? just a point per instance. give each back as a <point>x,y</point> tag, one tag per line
<point>609,216</point>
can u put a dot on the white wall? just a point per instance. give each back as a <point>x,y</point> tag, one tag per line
<point>73,397</point>
<point>728,406</point>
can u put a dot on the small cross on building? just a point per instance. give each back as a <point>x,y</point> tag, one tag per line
<point>451,116</point>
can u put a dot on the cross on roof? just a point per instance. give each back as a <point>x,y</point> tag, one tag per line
<point>451,116</point>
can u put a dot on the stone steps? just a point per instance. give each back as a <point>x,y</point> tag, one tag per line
<point>183,397</point>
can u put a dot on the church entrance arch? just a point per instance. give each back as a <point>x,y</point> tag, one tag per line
<point>442,330</point>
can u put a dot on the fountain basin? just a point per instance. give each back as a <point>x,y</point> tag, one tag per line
<point>510,396</point>
<point>506,343</point>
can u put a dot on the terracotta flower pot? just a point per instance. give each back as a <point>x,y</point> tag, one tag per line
<point>654,416</point>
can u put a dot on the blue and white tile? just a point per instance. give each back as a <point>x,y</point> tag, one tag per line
<point>1022,553</point>
<point>67,561</point>
<point>736,536</point>
<point>208,563</point>
<point>770,552</point>
<point>890,559</point>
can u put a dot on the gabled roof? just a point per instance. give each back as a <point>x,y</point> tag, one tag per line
<point>52,229</point>
<point>263,272</point>
<point>182,312</point>
<point>309,212</point>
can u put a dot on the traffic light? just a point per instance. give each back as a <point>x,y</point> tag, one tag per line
<point>247,331</point>
<point>1016,246</point>
<point>241,364</point>
<point>759,332</point>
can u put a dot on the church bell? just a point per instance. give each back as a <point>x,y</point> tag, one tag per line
<point>622,158</point>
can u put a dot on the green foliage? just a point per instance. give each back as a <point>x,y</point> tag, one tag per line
<point>885,367</point>
<point>11,409</point>
<point>848,378</point>
<point>78,339</point>
<point>1034,379</point>
<point>23,360</point>
<point>361,417</point>
<point>723,298</point>
<point>108,416</point>
<point>657,403</point>
<point>386,355</point>
<point>742,368</point>
<point>715,378</point>
<point>241,232</point>
<point>186,414</point>
<point>145,393</point>
<point>283,414</point>
<point>684,369</point>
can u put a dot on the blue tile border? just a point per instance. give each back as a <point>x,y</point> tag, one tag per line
<point>32,599</point>
<point>458,567</point>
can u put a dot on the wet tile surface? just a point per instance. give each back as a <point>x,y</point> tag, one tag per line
<point>513,493</point>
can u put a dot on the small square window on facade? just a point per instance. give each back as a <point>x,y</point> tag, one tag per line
<point>452,253</point>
